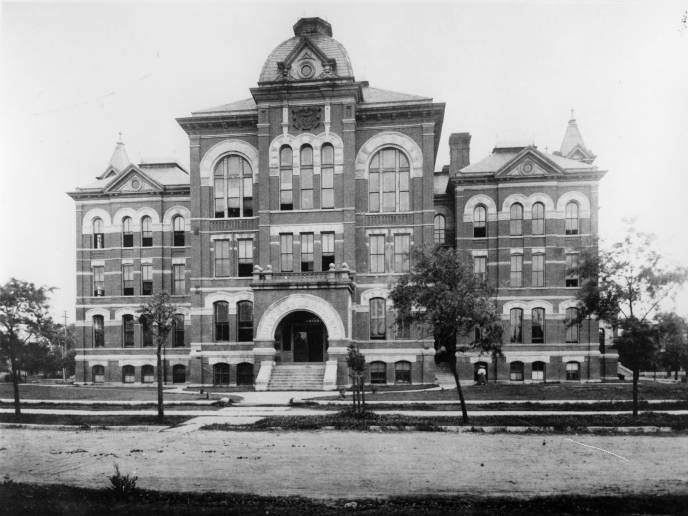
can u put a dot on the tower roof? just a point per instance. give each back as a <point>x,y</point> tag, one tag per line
<point>572,146</point>
<point>119,159</point>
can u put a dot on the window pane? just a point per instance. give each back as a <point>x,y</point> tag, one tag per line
<point>327,155</point>
<point>516,316</point>
<point>306,156</point>
<point>401,253</point>
<point>538,325</point>
<point>286,253</point>
<point>377,253</point>
<point>377,318</point>
<point>516,270</point>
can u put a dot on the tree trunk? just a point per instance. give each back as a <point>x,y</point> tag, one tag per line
<point>362,394</point>
<point>495,368</point>
<point>452,366</point>
<point>15,385</point>
<point>675,374</point>
<point>161,410</point>
<point>636,376</point>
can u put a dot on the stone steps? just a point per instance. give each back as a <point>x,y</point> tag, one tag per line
<point>297,377</point>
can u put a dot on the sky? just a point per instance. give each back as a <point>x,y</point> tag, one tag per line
<point>73,75</point>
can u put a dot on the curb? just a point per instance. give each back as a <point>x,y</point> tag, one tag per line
<point>86,428</point>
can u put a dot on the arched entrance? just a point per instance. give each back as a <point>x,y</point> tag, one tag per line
<point>301,337</point>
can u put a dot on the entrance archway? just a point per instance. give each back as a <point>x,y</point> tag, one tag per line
<point>301,336</point>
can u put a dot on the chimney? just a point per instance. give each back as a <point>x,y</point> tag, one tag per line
<point>459,151</point>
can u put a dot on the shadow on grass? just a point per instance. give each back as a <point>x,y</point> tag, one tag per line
<point>74,501</point>
<point>95,420</point>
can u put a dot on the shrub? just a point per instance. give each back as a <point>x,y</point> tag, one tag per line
<point>122,485</point>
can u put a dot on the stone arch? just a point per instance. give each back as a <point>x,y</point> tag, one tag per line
<point>544,199</point>
<point>126,212</point>
<point>296,302</point>
<point>219,150</point>
<point>527,306</point>
<point>88,316</point>
<point>127,310</point>
<point>371,293</point>
<point>93,213</point>
<point>314,140</point>
<point>395,139</point>
<point>150,212</point>
<point>231,298</point>
<point>568,303</point>
<point>579,197</point>
<point>483,199</point>
<point>170,213</point>
<point>515,198</point>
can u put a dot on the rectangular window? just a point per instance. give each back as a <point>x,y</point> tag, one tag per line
<point>389,190</point>
<point>128,331</point>
<point>147,332</point>
<point>220,199</point>
<point>222,264</point>
<point>377,253</point>
<point>516,278</point>
<point>538,325</point>
<point>516,320</point>
<point>306,252</point>
<point>571,270</point>
<point>307,188</point>
<point>327,187</point>
<point>327,241</point>
<point>178,279</point>
<point>374,191</point>
<point>572,327</point>
<point>127,280</point>
<point>146,279</point>
<point>245,257</point>
<point>244,321</point>
<point>98,331</point>
<point>378,324</point>
<point>286,252</point>
<point>286,200</point>
<point>178,331</point>
<point>99,281</point>
<point>402,244</point>
<point>538,270</point>
<point>402,330</point>
<point>221,321</point>
<point>480,267</point>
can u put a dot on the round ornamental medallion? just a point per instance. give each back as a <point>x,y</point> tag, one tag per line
<point>527,167</point>
<point>307,70</point>
<point>135,184</point>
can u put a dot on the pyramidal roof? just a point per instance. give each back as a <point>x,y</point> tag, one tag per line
<point>120,159</point>
<point>572,146</point>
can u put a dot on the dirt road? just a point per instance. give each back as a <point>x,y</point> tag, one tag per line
<point>328,464</point>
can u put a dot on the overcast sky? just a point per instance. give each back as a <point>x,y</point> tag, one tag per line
<point>75,74</point>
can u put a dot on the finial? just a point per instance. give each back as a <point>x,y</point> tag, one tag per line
<point>120,137</point>
<point>573,116</point>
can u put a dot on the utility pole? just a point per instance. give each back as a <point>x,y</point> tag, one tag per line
<point>64,345</point>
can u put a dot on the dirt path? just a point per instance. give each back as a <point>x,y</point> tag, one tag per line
<point>350,464</point>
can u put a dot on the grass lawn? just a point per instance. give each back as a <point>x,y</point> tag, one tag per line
<point>95,392</point>
<point>90,420</point>
<point>102,406</point>
<point>617,391</point>
<point>74,501</point>
<point>345,420</point>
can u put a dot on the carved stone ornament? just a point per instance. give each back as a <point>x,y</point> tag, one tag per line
<point>306,118</point>
<point>527,168</point>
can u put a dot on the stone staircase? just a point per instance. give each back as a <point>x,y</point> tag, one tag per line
<point>297,377</point>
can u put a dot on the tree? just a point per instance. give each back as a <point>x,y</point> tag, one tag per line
<point>23,317</point>
<point>673,342</point>
<point>624,286</point>
<point>357,363</point>
<point>445,297</point>
<point>159,313</point>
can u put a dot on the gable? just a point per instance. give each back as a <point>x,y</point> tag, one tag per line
<point>133,181</point>
<point>306,61</point>
<point>529,164</point>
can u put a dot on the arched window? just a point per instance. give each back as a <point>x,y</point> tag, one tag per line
<point>516,219</point>
<point>98,236</point>
<point>388,181</point>
<point>572,326</point>
<point>128,374</point>
<point>378,372</point>
<point>233,185</point>
<point>286,178</point>
<point>572,223</point>
<point>538,326</point>
<point>516,319</point>
<point>244,321</point>
<point>147,374</point>
<point>178,374</point>
<point>479,221</point>
<point>306,173</point>
<point>538,215</point>
<point>402,372</point>
<point>178,231</point>
<point>221,374</point>
<point>98,331</point>
<point>516,371</point>
<point>439,223</point>
<point>178,331</point>
<point>538,372</point>
<point>378,324</point>
<point>244,374</point>
<point>572,371</point>
<point>221,317</point>
<point>128,331</point>
<point>146,232</point>
<point>127,233</point>
<point>327,176</point>
<point>146,330</point>
<point>98,373</point>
